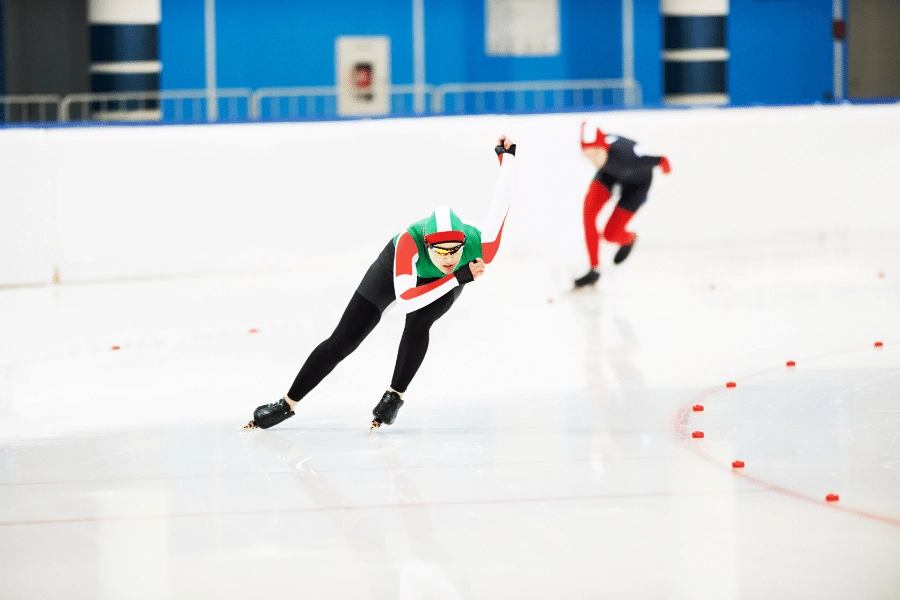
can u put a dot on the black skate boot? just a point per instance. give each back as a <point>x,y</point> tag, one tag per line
<point>268,415</point>
<point>624,251</point>
<point>386,411</point>
<point>590,279</point>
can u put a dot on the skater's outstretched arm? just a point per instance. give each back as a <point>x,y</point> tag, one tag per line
<point>409,296</point>
<point>492,227</point>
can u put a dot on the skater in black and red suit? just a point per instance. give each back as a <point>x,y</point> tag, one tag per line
<point>619,163</point>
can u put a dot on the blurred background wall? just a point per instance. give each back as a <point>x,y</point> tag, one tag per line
<point>780,51</point>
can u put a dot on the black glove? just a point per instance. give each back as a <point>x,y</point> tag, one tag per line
<point>464,274</point>
<point>499,149</point>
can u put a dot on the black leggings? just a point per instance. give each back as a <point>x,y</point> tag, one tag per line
<point>359,319</point>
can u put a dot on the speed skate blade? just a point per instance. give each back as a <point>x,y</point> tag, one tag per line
<point>375,425</point>
<point>250,425</point>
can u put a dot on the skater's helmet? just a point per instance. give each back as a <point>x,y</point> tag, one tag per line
<point>599,140</point>
<point>443,226</point>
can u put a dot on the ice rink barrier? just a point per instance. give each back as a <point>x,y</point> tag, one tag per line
<point>114,202</point>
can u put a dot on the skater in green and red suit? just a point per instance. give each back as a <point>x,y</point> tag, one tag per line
<point>423,271</point>
<point>617,162</point>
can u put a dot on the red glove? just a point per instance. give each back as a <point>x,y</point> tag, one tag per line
<point>665,166</point>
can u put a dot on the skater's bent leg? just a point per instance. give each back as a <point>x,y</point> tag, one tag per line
<point>633,197</point>
<point>414,342</point>
<point>615,231</point>
<point>596,197</point>
<point>359,319</point>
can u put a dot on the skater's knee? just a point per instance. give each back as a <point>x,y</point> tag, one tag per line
<point>337,349</point>
<point>615,227</point>
<point>613,231</point>
<point>419,323</point>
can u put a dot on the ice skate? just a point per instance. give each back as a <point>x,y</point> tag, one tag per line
<point>268,415</point>
<point>386,411</point>
<point>587,280</point>
<point>624,251</point>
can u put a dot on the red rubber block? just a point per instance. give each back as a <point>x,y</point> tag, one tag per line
<point>117,348</point>
<point>832,498</point>
<point>878,344</point>
<point>738,464</point>
<point>697,434</point>
<point>698,408</point>
<point>881,275</point>
<point>254,330</point>
<point>731,384</point>
<point>791,363</point>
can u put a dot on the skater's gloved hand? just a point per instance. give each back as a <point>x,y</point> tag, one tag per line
<point>665,166</point>
<point>504,146</point>
<point>477,268</point>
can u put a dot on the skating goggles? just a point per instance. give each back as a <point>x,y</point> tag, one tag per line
<point>446,251</point>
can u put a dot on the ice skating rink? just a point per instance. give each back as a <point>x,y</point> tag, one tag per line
<point>545,449</point>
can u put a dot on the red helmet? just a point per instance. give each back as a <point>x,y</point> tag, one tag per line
<point>599,141</point>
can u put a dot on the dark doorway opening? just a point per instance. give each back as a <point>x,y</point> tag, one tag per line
<point>45,51</point>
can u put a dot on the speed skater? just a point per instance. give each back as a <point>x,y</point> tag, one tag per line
<point>422,288</point>
<point>618,161</point>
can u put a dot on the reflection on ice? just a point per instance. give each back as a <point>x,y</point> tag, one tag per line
<point>546,460</point>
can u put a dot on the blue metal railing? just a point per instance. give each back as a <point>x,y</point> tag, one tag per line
<point>321,103</point>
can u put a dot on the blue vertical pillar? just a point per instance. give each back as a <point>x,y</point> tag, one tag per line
<point>125,55</point>
<point>695,52</point>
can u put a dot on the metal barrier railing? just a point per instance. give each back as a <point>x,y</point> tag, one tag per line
<point>318,102</point>
<point>522,96</point>
<point>296,102</point>
<point>174,105</point>
<point>26,109</point>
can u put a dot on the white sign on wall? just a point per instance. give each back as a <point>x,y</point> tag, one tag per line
<point>363,75</point>
<point>522,27</point>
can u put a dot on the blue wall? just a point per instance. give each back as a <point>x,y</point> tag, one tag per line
<point>781,50</point>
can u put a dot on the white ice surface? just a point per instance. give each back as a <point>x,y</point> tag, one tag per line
<point>544,450</point>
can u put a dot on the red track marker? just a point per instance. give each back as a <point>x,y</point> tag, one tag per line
<point>254,330</point>
<point>698,408</point>
<point>878,344</point>
<point>738,464</point>
<point>697,434</point>
<point>791,363</point>
<point>731,384</point>
<point>832,498</point>
<point>117,348</point>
